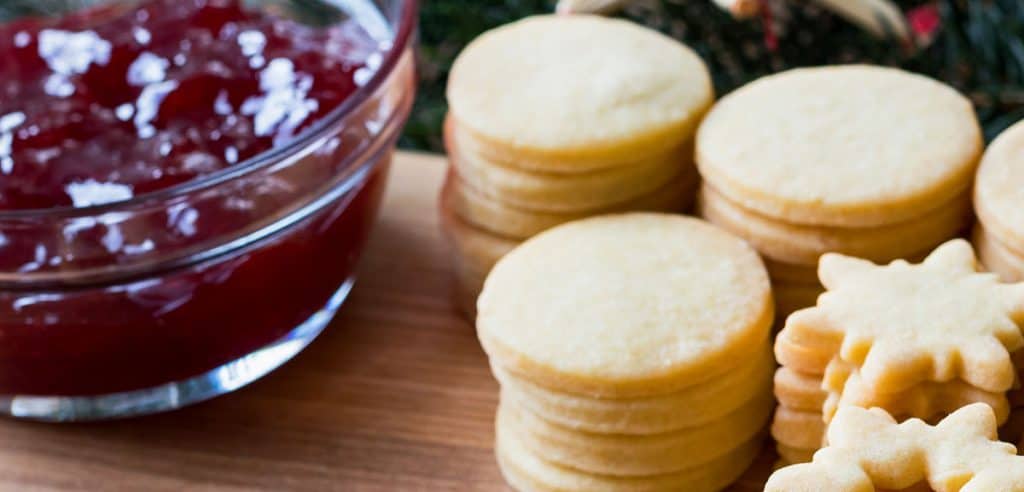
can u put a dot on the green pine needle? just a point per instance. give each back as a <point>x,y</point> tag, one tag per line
<point>979,48</point>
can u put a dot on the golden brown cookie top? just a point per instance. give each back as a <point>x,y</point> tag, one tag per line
<point>844,145</point>
<point>999,189</point>
<point>630,304</point>
<point>578,88</point>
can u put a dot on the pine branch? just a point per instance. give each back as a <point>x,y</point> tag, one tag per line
<point>979,48</point>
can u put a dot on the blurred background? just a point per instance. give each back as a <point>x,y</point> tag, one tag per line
<point>976,45</point>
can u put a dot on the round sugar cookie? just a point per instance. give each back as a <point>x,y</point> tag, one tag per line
<point>848,146</point>
<point>997,257</point>
<point>694,406</point>
<point>524,471</point>
<point>565,193</point>
<point>803,244</point>
<point>808,360</point>
<point>797,429</point>
<point>505,220</point>
<point>577,92</point>
<point>799,391</point>
<point>999,188</point>
<point>625,305</point>
<point>477,247</point>
<point>637,456</point>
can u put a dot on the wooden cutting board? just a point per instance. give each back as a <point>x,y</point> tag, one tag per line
<point>394,396</point>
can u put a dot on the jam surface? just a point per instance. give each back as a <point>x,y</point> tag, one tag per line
<point>114,102</point>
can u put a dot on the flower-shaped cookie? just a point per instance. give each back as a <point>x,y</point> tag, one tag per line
<point>868,450</point>
<point>927,400</point>
<point>903,324</point>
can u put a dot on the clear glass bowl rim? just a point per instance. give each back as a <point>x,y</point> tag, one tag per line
<point>407,21</point>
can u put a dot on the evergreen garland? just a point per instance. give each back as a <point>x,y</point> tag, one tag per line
<point>979,48</point>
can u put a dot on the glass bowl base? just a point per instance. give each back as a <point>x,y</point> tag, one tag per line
<point>171,396</point>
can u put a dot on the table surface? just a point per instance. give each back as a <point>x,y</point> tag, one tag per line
<point>395,395</point>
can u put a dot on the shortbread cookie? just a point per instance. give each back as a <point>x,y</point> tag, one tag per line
<point>807,360</point>
<point>999,188</point>
<point>813,361</point>
<point>577,92</point>
<point>868,450</point>
<point>636,456</point>
<point>565,193</point>
<point>805,146</point>
<point>479,248</point>
<point>807,274</point>
<point>924,401</point>
<point>505,220</point>
<point>474,252</point>
<point>625,305</point>
<point>524,471</point>
<point>997,257</point>
<point>905,324</point>
<point>793,297</point>
<point>804,244</point>
<point>799,391</point>
<point>796,429</point>
<point>695,406</point>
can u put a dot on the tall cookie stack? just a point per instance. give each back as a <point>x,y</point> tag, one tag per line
<point>632,352</point>
<point>917,340</point>
<point>866,161</point>
<point>554,119</point>
<point>999,201</point>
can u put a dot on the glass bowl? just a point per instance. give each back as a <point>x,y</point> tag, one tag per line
<point>172,297</point>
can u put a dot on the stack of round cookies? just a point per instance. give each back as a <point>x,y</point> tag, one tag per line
<point>999,201</point>
<point>557,118</point>
<point>867,161</point>
<point>632,352</point>
<point>917,340</point>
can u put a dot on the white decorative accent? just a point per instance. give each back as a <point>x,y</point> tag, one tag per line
<point>147,69</point>
<point>92,192</point>
<point>740,9</point>
<point>879,17</point>
<point>589,6</point>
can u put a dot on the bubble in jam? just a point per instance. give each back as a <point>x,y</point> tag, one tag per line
<point>114,102</point>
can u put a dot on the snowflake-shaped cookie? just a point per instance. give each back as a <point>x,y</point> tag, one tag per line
<point>903,323</point>
<point>927,400</point>
<point>868,450</point>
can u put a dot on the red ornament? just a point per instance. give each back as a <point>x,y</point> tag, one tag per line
<point>771,37</point>
<point>924,21</point>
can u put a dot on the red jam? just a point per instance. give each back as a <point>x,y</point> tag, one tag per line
<point>106,105</point>
<point>113,103</point>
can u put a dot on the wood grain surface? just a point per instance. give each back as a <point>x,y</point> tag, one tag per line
<point>394,396</point>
